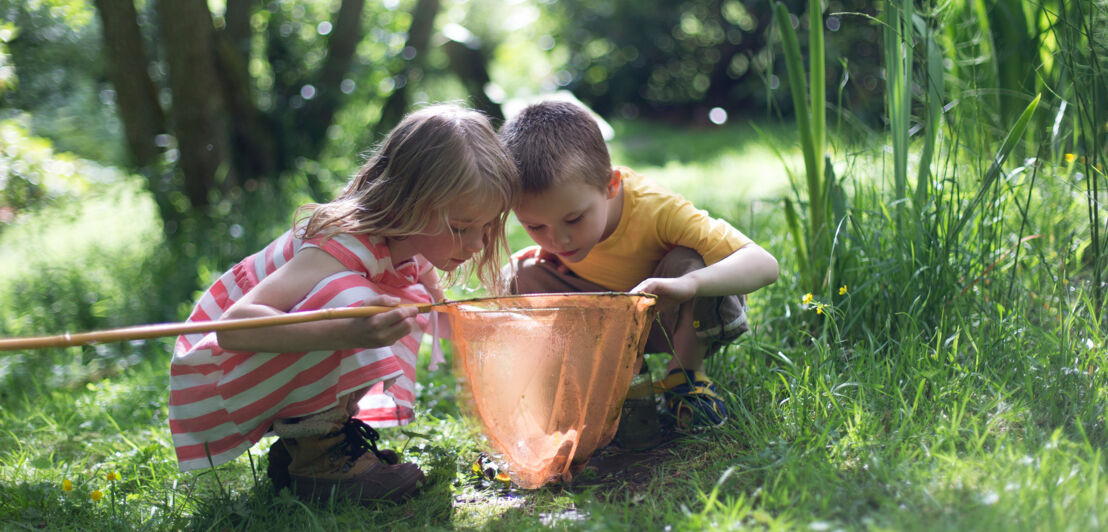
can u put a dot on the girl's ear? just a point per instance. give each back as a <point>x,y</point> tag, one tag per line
<point>613,183</point>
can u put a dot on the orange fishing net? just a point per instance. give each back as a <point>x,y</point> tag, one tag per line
<point>546,374</point>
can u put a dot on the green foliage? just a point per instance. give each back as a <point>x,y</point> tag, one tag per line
<point>966,415</point>
<point>32,174</point>
<point>954,379</point>
<point>814,238</point>
<point>53,51</point>
<point>8,77</point>
<point>646,55</point>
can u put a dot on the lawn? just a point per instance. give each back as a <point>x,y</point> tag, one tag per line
<point>869,406</point>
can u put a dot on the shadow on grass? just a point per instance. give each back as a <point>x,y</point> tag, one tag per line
<point>260,508</point>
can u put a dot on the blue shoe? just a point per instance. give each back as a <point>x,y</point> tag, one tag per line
<point>692,399</point>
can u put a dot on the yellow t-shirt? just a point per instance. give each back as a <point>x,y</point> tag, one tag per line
<point>654,220</point>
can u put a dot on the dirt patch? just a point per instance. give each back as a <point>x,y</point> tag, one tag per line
<point>613,466</point>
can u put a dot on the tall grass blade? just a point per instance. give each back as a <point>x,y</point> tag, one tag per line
<point>817,74</point>
<point>810,110</point>
<point>897,41</point>
<point>1010,141</point>
<point>797,87</point>
<point>933,81</point>
<point>793,222</point>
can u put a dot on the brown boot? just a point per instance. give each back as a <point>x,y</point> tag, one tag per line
<point>277,466</point>
<point>330,458</point>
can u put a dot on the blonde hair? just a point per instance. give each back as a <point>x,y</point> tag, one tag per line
<point>436,157</point>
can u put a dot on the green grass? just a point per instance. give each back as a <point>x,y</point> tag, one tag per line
<point>985,413</point>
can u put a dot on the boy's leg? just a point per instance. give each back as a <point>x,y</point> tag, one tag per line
<point>692,332</point>
<point>530,275</point>
<point>699,327</point>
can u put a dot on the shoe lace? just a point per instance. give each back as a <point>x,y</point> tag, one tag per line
<point>360,438</point>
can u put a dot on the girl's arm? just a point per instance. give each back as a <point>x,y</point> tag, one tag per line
<point>290,284</point>
<point>746,270</point>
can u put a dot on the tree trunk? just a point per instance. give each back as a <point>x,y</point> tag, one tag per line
<point>470,63</point>
<point>253,144</point>
<point>198,111</point>
<point>317,114</point>
<point>136,97</point>
<point>419,36</point>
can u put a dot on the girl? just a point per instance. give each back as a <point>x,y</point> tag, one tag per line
<point>435,195</point>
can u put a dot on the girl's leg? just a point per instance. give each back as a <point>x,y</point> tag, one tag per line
<point>331,454</point>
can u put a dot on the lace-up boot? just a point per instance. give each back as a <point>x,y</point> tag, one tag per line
<point>329,457</point>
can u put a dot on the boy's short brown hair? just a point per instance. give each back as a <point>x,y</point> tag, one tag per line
<point>555,140</point>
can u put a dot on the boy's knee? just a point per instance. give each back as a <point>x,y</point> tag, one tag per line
<point>679,261</point>
<point>715,320</point>
<point>530,275</point>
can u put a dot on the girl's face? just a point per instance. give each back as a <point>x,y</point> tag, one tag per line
<point>447,246</point>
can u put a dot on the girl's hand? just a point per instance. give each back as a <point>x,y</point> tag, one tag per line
<point>384,329</point>
<point>671,291</point>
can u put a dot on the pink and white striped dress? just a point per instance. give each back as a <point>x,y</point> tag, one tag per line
<point>227,400</point>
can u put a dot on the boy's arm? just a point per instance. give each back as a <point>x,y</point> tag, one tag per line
<point>283,289</point>
<point>746,270</point>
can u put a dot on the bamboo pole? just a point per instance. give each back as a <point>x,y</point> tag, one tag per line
<point>174,329</point>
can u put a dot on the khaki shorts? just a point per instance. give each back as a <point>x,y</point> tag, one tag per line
<point>718,320</point>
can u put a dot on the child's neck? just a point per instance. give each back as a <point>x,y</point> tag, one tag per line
<point>399,250</point>
<point>615,213</point>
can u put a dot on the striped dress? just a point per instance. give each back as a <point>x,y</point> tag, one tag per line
<point>222,402</point>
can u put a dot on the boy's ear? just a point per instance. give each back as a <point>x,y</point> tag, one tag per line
<point>613,183</point>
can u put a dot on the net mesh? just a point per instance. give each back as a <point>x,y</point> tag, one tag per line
<point>546,374</point>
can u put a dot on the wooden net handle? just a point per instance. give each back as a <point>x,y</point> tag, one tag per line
<point>174,329</point>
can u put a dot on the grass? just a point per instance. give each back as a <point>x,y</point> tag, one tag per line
<point>988,412</point>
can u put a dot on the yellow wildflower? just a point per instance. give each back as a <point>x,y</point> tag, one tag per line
<point>96,495</point>
<point>806,299</point>
<point>67,485</point>
<point>842,290</point>
<point>113,476</point>
<point>819,309</point>
<point>1071,157</point>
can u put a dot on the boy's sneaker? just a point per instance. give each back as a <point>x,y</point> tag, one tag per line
<point>692,399</point>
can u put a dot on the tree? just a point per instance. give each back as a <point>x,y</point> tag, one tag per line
<point>419,37</point>
<point>126,62</point>
<point>232,121</point>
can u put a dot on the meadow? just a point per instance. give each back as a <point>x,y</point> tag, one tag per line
<point>931,357</point>
<point>987,414</point>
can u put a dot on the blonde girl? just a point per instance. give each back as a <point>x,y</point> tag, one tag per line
<point>434,196</point>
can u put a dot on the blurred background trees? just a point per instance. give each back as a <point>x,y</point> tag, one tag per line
<point>233,112</point>
<point>209,99</point>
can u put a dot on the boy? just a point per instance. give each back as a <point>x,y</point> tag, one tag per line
<point>603,228</point>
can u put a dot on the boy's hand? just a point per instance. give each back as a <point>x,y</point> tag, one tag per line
<point>670,291</point>
<point>542,255</point>
<point>386,328</point>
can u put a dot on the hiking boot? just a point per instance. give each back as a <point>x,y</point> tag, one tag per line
<point>277,467</point>
<point>342,462</point>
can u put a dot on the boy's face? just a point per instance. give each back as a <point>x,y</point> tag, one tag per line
<point>570,218</point>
